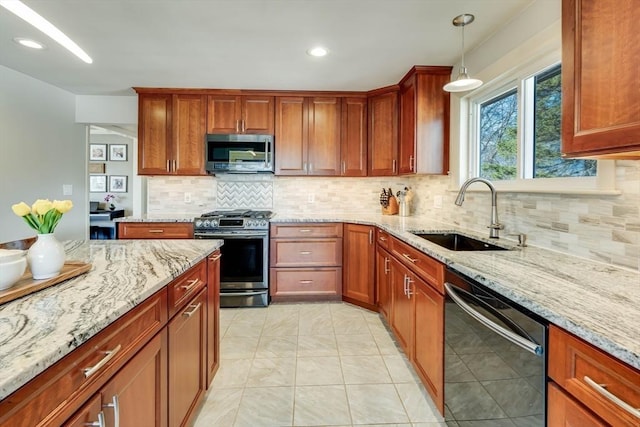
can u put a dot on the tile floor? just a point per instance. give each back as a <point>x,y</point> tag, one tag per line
<point>315,364</point>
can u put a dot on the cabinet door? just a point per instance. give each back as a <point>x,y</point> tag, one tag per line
<point>407,145</point>
<point>383,134</point>
<point>324,137</point>
<point>600,47</point>
<point>354,137</point>
<point>563,411</point>
<point>187,360</point>
<point>154,134</point>
<point>137,394</point>
<point>223,114</point>
<point>429,340</point>
<point>257,114</point>
<point>358,280</point>
<point>213,315</point>
<point>402,316</point>
<point>291,139</point>
<point>383,289</point>
<point>189,116</point>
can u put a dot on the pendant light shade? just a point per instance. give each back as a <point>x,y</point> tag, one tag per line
<point>463,82</point>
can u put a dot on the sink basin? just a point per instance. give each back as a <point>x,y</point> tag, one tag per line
<point>459,242</point>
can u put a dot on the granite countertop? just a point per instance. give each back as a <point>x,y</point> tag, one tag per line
<point>598,302</point>
<point>38,330</point>
<point>182,217</point>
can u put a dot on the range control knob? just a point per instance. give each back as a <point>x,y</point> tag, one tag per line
<point>199,223</point>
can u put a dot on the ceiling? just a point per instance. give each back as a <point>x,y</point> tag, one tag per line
<point>245,44</point>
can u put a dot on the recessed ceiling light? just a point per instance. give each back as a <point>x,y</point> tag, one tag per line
<point>29,43</point>
<point>32,17</point>
<point>318,51</point>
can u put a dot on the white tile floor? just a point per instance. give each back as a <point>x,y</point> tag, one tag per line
<point>323,364</point>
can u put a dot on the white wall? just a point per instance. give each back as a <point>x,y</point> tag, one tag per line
<point>41,148</point>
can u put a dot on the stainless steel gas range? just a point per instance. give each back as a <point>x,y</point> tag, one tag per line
<point>244,267</point>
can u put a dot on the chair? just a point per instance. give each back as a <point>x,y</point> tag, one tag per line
<point>19,244</point>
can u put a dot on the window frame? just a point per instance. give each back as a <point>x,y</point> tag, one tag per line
<point>516,78</point>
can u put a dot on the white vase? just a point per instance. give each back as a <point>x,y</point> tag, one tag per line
<point>46,257</point>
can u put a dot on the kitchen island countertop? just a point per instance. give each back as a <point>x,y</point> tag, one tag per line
<point>598,302</point>
<point>39,329</point>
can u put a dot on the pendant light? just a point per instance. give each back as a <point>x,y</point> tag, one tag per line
<point>463,82</point>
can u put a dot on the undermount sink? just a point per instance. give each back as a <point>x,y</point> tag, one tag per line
<point>459,242</point>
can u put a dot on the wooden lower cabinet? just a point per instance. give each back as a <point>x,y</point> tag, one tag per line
<point>213,315</point>
<point>90,414</point>
<point>383,282</point>
<point>187,360</point>
<point>358,265</point>
<point>429,344</point>
<point>564,411</point>
<point>402,306</point>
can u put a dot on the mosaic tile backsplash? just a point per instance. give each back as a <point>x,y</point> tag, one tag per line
<point>601,228</point>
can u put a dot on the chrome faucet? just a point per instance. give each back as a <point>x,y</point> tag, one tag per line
<point>495,225</point>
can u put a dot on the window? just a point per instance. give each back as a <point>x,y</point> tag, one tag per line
<point>516,134</point>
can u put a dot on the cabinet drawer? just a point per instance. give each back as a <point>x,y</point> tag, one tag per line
<point>301,230</point>
<point>300,281</point>
<point>155,230</point>
<point>306,253</point>
<point>184,287</point>
<point>383,238</point>
<point>63,388</point>
<point>426,267</point>
<point>572,362</point>
<point>564,411</point>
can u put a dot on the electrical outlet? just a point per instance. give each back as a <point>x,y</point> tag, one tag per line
<point>187,197</point>
<point>311,198</point>
<point>67,190</point>
<point>437,202</point>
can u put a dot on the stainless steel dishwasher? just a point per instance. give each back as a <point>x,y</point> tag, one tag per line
<point>495,358</point>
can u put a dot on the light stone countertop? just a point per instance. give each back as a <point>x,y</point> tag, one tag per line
<point>598,302</point>
<point>39,329</point>
<point>182,217</point>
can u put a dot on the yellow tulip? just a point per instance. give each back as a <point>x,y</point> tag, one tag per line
<point>21,209</point>
<point>41,207</point>
<point>62,206</point>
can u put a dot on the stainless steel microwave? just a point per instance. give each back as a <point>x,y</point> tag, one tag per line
<point>239,153</point>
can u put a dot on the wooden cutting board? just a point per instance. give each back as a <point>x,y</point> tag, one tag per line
<point>27,284</point>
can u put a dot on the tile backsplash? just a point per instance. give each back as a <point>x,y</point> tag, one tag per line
<point>601,228</point>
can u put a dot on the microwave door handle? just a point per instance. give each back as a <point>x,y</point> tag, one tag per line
<point>267,151</point>
<point>520,341</point>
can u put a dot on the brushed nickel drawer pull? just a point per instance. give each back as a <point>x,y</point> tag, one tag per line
<point>156,231</point>
<point>386,265</point>
<point>305,252</point>
<point>382,238</point>
<point>600,388</point>
<point>116,409</point>
<point>189,313</point>
<point>371,236</point>
<point>99,423</point>
<point>108,355</point>
<point>305,230</point>
<point>191,284</point>
<point>413,260</point>
<point>168,165</point>
<point>306,282</point>
<point>215,257</point>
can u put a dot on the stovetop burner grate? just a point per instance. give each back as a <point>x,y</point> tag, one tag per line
<point>238,213</point>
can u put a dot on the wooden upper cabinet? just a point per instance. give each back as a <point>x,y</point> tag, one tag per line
<point>154,133</point>
<point>600,84</point>
<point>229,114</point>
<point>171,131</point>
<point>424,121</point>
<point>383,133</point>
<point>324,136</point>
<point>354,137</point>
<point>307,138</point>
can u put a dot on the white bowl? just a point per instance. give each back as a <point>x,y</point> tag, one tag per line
<point>11,272</point>
<point>8,255</point>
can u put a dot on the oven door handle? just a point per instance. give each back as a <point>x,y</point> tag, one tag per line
<point>243,294</point>
<point>230,236</point>
<point>518,340</point>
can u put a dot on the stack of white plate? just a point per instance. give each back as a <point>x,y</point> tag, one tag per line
<point>13,262</point>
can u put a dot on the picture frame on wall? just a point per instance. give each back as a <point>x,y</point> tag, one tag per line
<point>118,183</point>
<point>97,168</point>
<point>97,183</point>
<point>98,152</point>
<point>118,152</point>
